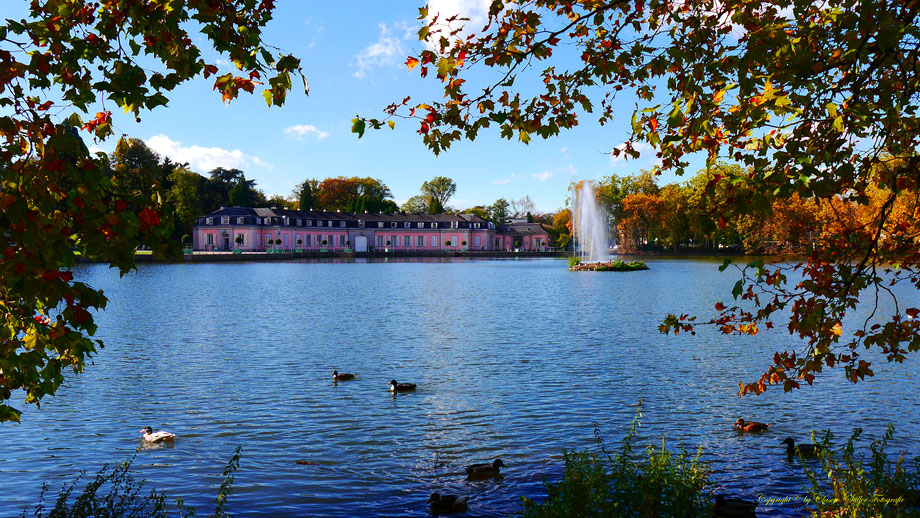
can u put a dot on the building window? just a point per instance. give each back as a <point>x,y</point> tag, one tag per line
<point>329,223</point>
<point>360,223</point>
<point>379,224</point>
<point>306,240</point>
<point>434,224</point>
<point>393,241</point>
<point>380,240</point>
<point>258,240</point>
<point>225,220</point>
<point>454,224</point>
<point>210,240</point>
<point>210,221</point>
<point>421,225</point>
<point>407,241</point>
<point>244,239</point>
<point>342,223</point>
<point>287,220</point>
<point>309,222</point>
<point>434,241</point>
<point>393,225</point>
<point>420,241</point>
<point>240,221</point>
<point>407,224</point>
<point>477,241</point>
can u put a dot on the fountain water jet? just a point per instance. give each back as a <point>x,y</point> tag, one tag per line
<point>590,227</point>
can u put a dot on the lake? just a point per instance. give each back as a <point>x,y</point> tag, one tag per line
<point>516,359</point>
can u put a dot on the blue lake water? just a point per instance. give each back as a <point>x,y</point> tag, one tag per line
<point>515,359</point>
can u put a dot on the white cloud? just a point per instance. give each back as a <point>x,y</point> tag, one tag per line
<point>546,175</point>
<point>204,158</point>
<point>476,10</point>
<point>388,51</point>
<point>301,130</point>
<point>503,181</point>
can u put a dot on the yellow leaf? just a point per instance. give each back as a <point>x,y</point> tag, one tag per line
<point>837,330</point>
<point>718,96</point>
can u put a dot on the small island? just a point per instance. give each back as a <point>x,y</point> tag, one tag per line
<point>613,266</point>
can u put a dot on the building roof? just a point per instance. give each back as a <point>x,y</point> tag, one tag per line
<point>521,228</point>
<point>347,216</point>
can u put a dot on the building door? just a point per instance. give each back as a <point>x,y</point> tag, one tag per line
<point>360,244</point>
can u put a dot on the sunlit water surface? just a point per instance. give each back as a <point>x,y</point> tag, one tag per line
<point>516,359</point>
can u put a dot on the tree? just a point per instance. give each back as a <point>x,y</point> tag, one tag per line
<point>520,208</point>
<point>415,205</point>
<point>434,206</point>
<point>185,196</point>
<point>818,99</point>
<point>242,194</point>
<point>304,194</point>
<point>135,168</point>
<point>562,228</point>
<point>439,188</point>
<point>57,199</point>
<point>499,211</point>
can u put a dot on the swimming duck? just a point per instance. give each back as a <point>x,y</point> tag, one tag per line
<point>342,377</point>
<point>401,387</point>
<point>750,426</point>
<point>734,508</point>
<point>443,504</point>
<point>485,470</point>
<point>807,450</point>
<point>161,436</point>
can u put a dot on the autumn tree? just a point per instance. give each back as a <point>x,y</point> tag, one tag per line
<point>62,70</point>
<point>808,97</point>
<point>562,228</point>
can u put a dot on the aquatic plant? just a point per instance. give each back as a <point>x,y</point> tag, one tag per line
<point>116,493</point>
<point>574,261</point>
<point>652,482</point>
<point>848,484</point>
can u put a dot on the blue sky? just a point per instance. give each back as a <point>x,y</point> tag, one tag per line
<point>353,54</point>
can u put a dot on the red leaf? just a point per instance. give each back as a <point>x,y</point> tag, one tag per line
<point>411,63</point>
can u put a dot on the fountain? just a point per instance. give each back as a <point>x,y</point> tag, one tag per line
<point>590,225</point>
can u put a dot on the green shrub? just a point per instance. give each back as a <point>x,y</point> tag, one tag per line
<point>848,484</point>
<point>573,261</point>
<point>655,482</point>
<point>115,493</point>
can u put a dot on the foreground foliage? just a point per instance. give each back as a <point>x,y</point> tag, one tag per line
<point>816,100</point>
<point>626,482</point>
<point>115,493</point>
<point>66,60</point>
<point>848,484</point>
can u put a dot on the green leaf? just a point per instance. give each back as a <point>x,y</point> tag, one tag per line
<point>725,265</point>
<point>357,126</point>
<point>423,33</point>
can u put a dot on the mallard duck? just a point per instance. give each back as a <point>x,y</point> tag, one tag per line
<point>807,450</point>
<point>401,387</point>
<point>161,436</point>
<point>750,426</point>
<point>734,508</point>
<point>342,377</point>
<point>485,469</point>
<point>443,504</point>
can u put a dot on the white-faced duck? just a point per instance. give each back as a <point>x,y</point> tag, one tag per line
<point>402,387</point>
<point>161,436</point>
<point>733,508</point>
<point>342,377</point>
<point>485,470</point>
<point>750,426</point>
<point>446,504</point>
<point>806,450</point>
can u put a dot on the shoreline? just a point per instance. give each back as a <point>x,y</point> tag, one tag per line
<point>217,257</point>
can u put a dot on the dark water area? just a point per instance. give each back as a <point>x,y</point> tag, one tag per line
<point>516,359</point>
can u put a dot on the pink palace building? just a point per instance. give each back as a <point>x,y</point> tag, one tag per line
<point>260,229</point>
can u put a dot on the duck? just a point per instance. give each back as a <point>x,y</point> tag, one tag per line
<point>342,377</point>
<point>734,508</point>
<point>401,387</point>
<point>161,436</point>
<point>807,450</point>
<point>485,469</point>
<point>444,504</point>
<point>750,426</point>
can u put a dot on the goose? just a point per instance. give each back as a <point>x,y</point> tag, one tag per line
<point>342,377</point>
<point>750,426</point>
<point>485,469</point>
<point>734,508</point>
<point>401,387</point>
<point>161,436</point>
<point>443,504</point>
<point>807,450</point>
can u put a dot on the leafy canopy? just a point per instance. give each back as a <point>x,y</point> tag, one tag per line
<point>814,99</point>
<point>66,60</point>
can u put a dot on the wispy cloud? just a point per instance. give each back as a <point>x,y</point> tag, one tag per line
<point>504,181</point>
<point>300,131</point>
<point>546,175</point>
<point>204,158</point>
<point>389,51</point>
<point>476,10</point>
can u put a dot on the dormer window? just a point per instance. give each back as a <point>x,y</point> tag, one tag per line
<point>421,225</point>
<point>299,222</point>
<point>454,224</point>
<point>240,221</point>
<point>407,224</point>
<point>434,224</point>
<point>287,220</point>
<point>393,225</point>
<point>342,223</point>
<point>210,221</point>
<point>379,224</point>
<point>225,220</point>
<point>329,223</point>
<point>361,223</point>
<point>309,222</point>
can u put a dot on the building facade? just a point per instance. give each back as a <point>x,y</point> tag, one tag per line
<point>261,229</point>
